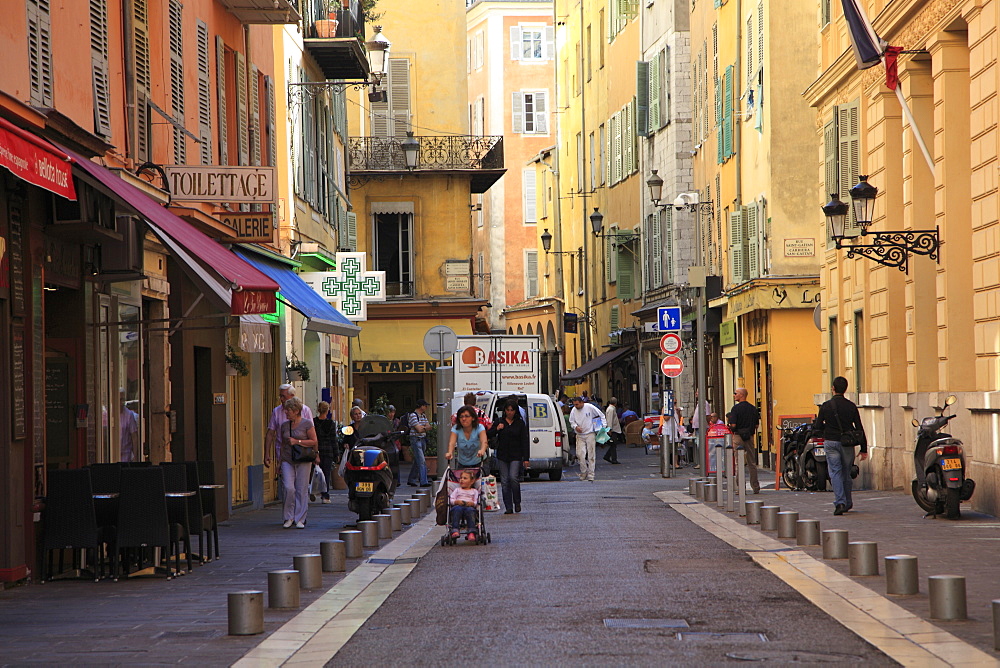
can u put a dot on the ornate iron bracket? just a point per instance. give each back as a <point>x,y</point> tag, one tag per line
<point>303,91</point>
<point>357,181</point>
<point>893,249</point>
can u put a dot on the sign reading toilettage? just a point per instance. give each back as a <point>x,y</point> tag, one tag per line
<point>221,183</point>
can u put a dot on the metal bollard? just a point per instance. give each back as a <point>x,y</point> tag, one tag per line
<point>310,568</point>
<point>405,515</point>
<point>996,624</point>
<point>752,511</point>
<point>769,518</point>
<point>396,515</point>
<point>425,503</point>
<point>384,526</point>
<point>711,492</point>
<point>352,543</point>
<point>246,613</point>
<point>369,533</point>
<point>421,504</point>
<point>691,483</point>
<point>741,477</point>
<point>334,556</point>
<point>947,594</point>
<point>786,523</point>
<point>699,489</point>
<point>901,575</point>
<point>863,556</point>
<point>731,479</point>
<point>835,544</point>
<point>807,532</point>
<point>283,589</point>
<point>720,497</point>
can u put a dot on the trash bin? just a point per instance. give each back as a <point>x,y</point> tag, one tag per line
<point>716,438</point>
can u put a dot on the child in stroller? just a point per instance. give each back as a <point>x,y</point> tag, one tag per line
<point>464,501</point>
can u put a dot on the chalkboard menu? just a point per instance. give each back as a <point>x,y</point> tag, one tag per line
<point>17,292</point>
<point>17,378</point>
<point>58,413</point>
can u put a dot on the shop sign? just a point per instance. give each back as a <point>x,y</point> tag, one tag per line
<point>394,366</point>
<point>221,183</point>
<point>249,302</point>
<point>350,286</point>
<point>34,164</point>
<point>770,297</point>
<point>727,332</point>
<point>250,227</point>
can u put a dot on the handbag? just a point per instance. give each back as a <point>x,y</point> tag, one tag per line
<point>850,437</point>
<point>301,453</point>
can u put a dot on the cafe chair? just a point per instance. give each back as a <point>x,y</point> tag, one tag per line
<point>70,521</point>
<point>175,482</point>
<point>206,476</point>
<point>201,521</point>
<point>143,519</point>
<point>105,479</point>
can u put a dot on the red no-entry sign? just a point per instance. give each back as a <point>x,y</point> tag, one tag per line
<point>670,344</point>
<point>672,366</point>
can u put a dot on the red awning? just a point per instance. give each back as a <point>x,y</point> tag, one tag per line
<point>252,290</point>
<point>35,160</point>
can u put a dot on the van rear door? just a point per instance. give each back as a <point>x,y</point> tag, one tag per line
<point>542,426</point>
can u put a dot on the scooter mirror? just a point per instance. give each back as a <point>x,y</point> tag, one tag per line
<point>950,400</point>
<point>347,430</point>
<point>915,423</point>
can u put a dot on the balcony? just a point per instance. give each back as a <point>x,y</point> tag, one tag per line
<point>269,12</point>
<point>339,52</point>
<point>479,158</point>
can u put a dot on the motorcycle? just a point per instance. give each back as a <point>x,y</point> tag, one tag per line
<point>793,441</point>
<point>940,484</point>
<point>812,462</point>
<point>370,467</point>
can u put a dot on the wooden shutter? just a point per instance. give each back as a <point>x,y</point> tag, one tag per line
<point>140,35</point>
<point>667,222</point>
<point>654,95</point>
<point>643,111</point>
<point>626,271</point>
<point>204,96</point>
<point>750,50</point>
<point>655,273</point>
<point>727,113</point>
<point>549,52</point>
<point>255,114</point>
<point>515,42</point>
<point>242,117</point>
<point>530,274</point>
<point>220,84</point>
<point>614,318</point>
<point>616,128</point>
<point>352,230</point>
<point>176,39</point>
<point>830,157</point>
<point>272,129</point>
<point>849,158</point>
<point>380,114</point>
<point>517,112</point>
<point>541,112</point>
<point>760,36</point>
<point>720,142</point>
<point>610,259</point>
<point>399,95</point>
<point>663,87</point>
<point>99,65</point>
<point>40,52</point>
<point>530,204</point>
<point>737,264</point>
<point>753,242</point>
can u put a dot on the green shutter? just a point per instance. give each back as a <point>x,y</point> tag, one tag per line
<point>737,239</point>
<point>849,158</point>
<point>613,318</point>
<point>626,271</point>
<point>655,251</point>
<point>667,223</point>
<point>727,112</point>
<point>655,122</point>
<point>719,143</point>
<point>643,99</point>
<point>753,245</point>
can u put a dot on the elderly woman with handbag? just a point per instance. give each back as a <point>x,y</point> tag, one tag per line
<point>297,453</point>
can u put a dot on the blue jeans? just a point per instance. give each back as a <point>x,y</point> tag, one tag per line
<point>839,460</point>
<point>510,488</point>
<point>418,470</point>
<point>467,513</point>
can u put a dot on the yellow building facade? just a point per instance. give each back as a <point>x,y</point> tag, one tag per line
<point>907,340</point>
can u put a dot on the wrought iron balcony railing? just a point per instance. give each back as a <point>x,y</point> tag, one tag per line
<point>436,153</point>
<point>350,19</point>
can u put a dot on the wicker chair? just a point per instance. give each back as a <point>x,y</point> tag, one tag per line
<point>70,520</point>
<point>142,517</point>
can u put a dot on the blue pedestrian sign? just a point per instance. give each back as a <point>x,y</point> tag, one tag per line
<point>669,318</point>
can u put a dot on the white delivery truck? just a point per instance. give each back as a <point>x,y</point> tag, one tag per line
<point>503,362</point>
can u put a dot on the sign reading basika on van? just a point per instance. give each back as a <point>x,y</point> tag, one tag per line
<point>221,183</point>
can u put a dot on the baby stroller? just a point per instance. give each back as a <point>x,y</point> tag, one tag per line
<point>450,481</point>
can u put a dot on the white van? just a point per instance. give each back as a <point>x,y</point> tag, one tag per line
<point>545,425</point>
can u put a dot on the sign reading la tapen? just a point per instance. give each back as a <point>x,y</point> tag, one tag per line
<point>394,366</point>
<point>221,183</point>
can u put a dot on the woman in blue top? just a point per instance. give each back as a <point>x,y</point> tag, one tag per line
<point>469,436</point>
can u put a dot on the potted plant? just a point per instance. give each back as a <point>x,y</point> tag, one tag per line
<point>327,28</point>
<point>431,451</point>
<point>235,365</point>
<point>297,370</point>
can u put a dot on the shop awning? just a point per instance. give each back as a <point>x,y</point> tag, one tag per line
<point>250,290</point>
<point>593,365</point>
<point>320,315</point>
<point>35,160</point>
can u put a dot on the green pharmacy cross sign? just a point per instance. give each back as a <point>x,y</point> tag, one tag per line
<point>349,287</point>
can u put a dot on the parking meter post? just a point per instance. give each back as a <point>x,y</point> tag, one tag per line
<point>444,378</point>
<point>741,480</point>
<point>730,482</point>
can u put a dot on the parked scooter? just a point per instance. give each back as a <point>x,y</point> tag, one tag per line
<point>793,442</point>
<point>940,484</point>
<point>812,462</point>
<point>370,466</point>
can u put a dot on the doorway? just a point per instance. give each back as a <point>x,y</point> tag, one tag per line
<point>401,394</point>
<point>203,403</point>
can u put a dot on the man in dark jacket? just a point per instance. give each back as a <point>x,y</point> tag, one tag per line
<point>836,416</point>
<point>743,420</point>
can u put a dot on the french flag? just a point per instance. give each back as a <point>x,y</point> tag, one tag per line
<point>867,45</point>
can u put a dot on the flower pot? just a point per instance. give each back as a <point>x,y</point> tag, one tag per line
<point>326,28</point>
<point>432,466</point>
<point>294,376</point>
<point>231,370</point>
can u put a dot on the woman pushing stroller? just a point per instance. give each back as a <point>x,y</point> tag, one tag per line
<point>513,450</point>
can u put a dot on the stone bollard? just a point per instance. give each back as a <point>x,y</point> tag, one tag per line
<point>417,505</point>
<point>786,523</point>
<point>352,543</point>
<point>425,502</point>
<point>246,613</point>
<point>334,556</point>
<point>691,483</point>
<point>396,515</point>
<point>369,533</point>
<point>699,489</point>
<point>753,511</point>
<point>835,544</point>
<point>807,532</point>
<point>947,594</point>
<point>863,556</point>
<point>711,492</point>
<point>283,589</point>
<point>310,568</point>
<point>901,575</point>
<point>384,526</point>
<point>404,509</point>
<point>769,518</point>
<point>996,624</point>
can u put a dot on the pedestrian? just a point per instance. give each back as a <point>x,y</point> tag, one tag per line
<point>419,426</point>
<point>326,432</point>
<point>628,415</point>
<point>396,423</point>
<point>295,431</point>
<point>285,392</point>
<point>586,420</point>
<point>360,405</point>
<point>464,500</point>
<point>614,431</point>
<point>468,438</point>
<point>481,417</point>
<point>835,417</point>
<point>512,450</point>
<point>744,419</point>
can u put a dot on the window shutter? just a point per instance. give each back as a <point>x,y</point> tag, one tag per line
<point>667,221</point>
<point>737,266</point>
<point>528,186</point>
<point>727,112</point>
<point>760,35</point>
<point>616,127</point>
<point>204,96</point>
<point>610,258</point>
<point>176,39</point>
<point>515,42</point>
<point>751,34</point>
<point>255,115</point>
<point>626,272</point>
<point>341,226</point>
<point>663,86</point>
<point>530,274</point>
<point>550,43</point>
<point>99,65</point>
<point>242,117</point>
<point>720,142</point>
<point>830,156</point>
<point>655,273</point>
<point>352,230</point>
<point>40,52</point>
<point>643,99</point>
<point>849,158</point>
<point>541,114</point>
<point>399,95</point>
<point>141,65</point>
<point>753,242</point>
<point>654,95</point>
<point>220,84</point>
<point>517,112</point>
<point>272,129</point>
<point>614,319</point>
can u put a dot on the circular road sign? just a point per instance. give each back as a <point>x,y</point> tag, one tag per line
<point>672,366</point>
<point>440,342</point>
<point>670,344</point>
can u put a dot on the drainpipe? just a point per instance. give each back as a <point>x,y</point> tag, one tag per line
<point>584,269</point>
<point>128,64</point>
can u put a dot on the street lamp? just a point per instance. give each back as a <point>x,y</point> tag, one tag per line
<point>378,67</point>
<point>411,150</point>
<point>597,224</point>
<point>863,200</point>
<point>378,55</point>
<point>547,245</point>
<point>655,184</point>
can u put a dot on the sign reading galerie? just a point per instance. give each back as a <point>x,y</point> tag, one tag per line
<point>221,183</point>
<point>350,286</point>
<point>257,226</point>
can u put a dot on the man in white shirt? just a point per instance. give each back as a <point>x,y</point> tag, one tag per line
<point>278,418</point>
<point>586,419</point>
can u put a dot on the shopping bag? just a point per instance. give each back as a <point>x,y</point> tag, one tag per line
<point>491,499</point>
<point>602,435</point>
<point>441,503</point>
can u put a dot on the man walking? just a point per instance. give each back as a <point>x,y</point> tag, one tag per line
<point>278,418</point>
<point>614,431</point>
<point>419,426</point>
<point>586,420</point>
<point>836,416</point>
<point>744,418</point>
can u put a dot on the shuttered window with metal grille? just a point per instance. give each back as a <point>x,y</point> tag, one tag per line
<point>99,65</point>
<point>176,40</point>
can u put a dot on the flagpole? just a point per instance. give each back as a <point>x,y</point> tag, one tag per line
<point>913,126</point>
